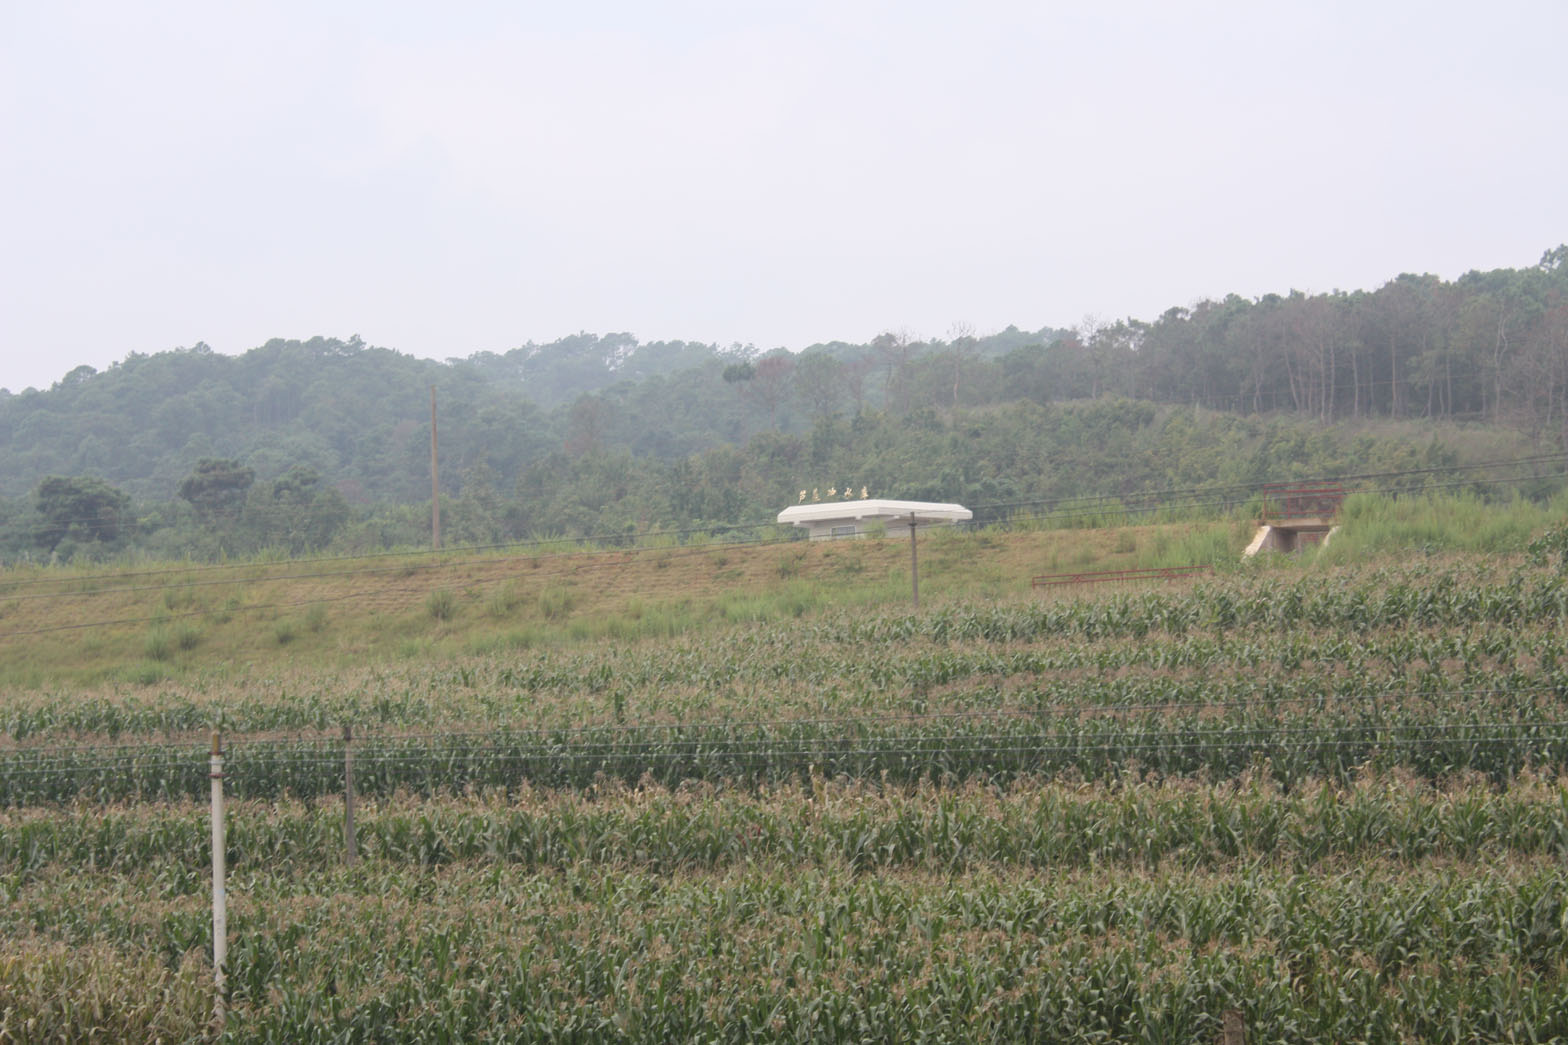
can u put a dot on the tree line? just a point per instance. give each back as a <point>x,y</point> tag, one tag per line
<point>601,433</point>
<point>1489,346</point>
<point>1019,459</point>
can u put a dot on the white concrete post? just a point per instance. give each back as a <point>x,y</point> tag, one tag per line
<point>220,900</point>
<point>350,843</point>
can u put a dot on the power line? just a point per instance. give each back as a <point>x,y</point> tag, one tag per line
<point>358,594</point>
<point>1077,507</point>
<point>410,553</point>
<point>1079,510</point>
<point>1244,490</point>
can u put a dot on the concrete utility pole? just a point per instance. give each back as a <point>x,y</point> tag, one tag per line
<point>914,561</point>
<point>435,482</point>
<point>220,898</point>
<point>350,842</point>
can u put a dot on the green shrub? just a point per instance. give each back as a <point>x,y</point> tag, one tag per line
<point>790,565</point>
<point>147,673</point>
<point>441,604</point>
<point>158,645</point>
<point>555,603</point>
<point>505,600</point>
<point>225,612</point>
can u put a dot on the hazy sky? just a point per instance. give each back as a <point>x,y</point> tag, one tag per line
<point>446,179</point>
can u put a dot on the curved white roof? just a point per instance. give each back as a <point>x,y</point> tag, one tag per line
<point>926,513</point>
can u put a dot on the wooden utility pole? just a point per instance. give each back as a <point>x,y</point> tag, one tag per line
<point>435,482</point>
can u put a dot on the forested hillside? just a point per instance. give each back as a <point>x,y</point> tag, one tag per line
<point>303,445</point>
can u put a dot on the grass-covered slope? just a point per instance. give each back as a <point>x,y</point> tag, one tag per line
<point>178,622</point>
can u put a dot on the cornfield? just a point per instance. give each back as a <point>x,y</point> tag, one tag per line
<point>1338,807</point>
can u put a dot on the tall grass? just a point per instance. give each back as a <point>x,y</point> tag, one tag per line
<point>1373,524</point>
<point>1215,542</point>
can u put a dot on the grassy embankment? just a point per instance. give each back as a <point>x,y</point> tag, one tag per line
<point>154,622</point>
<point>151,623</point>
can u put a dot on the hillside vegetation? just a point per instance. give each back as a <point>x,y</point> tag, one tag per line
<point>325,444</point>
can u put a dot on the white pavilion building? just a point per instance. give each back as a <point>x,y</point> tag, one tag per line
<point>826,520</point>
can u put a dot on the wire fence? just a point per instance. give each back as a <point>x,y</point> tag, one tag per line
<point>1313,743</point>
<point>1546,694</point>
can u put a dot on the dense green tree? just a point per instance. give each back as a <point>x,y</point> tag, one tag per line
<point>217,489</point>
<point>18,528</point>
<point>296,512</point>
<point>82,508</point>
<point>821,382</point>
<point>477,515</point>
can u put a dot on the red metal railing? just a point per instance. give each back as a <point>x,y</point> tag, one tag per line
<point>1292,500</point>
<point>1165,573</point>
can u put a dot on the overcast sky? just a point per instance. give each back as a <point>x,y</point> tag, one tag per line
<point>447,179</point>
